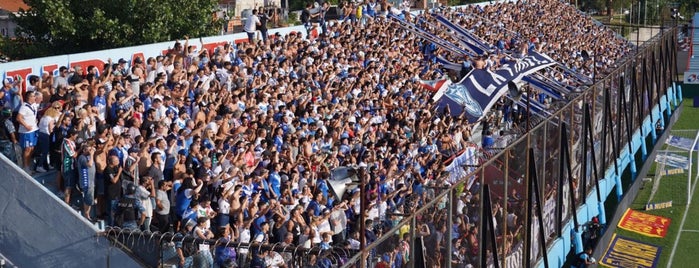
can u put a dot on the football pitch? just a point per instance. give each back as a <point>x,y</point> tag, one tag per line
<point>679,246</point>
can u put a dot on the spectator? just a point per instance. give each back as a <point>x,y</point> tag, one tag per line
<point>144,192</point>
<point>8,138</point>
<point>129,210</point>
<point>185,251</point>
<point>162,203</point>
<point>28,129</point>
<point>203,257</point>
<point>264,19</point>
<point>68,172</point>
<point>112,175</point>
<point>86,168</point>
<point>251,24</point>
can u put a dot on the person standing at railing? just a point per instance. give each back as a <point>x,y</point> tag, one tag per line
<point>251,25</point>
<point>264,19</point>
<point>28,129</point>
<point>86,169</point>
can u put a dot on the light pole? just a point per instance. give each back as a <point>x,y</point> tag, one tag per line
<point>516,95</point>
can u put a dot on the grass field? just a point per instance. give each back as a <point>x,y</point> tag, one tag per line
<point>673,187</point>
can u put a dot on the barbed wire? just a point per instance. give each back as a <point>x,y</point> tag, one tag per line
<point>131,238</point>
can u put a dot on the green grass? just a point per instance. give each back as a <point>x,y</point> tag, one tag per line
<point>672,187</point>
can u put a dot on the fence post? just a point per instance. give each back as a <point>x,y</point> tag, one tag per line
<point>450,227</point>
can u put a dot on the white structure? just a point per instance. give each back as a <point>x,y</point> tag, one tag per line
<point>236,7</point>
<point>8,7</point>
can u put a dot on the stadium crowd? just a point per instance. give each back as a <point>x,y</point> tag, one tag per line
<point>238,143</point>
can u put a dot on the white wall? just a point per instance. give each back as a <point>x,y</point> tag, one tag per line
<point>37,66</point>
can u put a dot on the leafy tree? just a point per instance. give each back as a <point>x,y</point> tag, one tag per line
<point>52,27</point>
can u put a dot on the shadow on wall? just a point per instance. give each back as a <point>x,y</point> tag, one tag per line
<point>38,230</point>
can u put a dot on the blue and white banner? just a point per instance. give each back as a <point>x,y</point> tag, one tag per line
<point>464,164</point>
<point>681,142</point>
<point>480,89</point>
<point>673,160</point>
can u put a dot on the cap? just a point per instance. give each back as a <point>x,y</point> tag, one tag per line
<point>134,150</point>
<point>122,60</point>
<point>182,152</point>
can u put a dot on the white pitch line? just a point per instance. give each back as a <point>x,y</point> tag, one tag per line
<point>691,231</point>
<point>684,217</point>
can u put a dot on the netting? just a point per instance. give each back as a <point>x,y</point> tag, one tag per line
<point>674,170</point>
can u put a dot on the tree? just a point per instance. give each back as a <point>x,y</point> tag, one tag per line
<point>53,27</point>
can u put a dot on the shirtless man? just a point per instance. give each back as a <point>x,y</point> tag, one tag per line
<point>100,156</point>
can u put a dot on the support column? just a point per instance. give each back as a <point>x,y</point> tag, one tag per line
<point>653,134</point>
<point>619,187</point>
<point>674,95</point>
<point>644,149</point>
<point>632,164</point>
<point>450,227</point>
<point>602,214</point>
<point>577,240</point>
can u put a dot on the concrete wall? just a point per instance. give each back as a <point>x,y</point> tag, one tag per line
<point>39,230</point>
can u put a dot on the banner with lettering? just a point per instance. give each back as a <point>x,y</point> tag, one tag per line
<point>463,165</point>
<point>626,252</point>
<point>480,89</point>
<point>673,160</point>
<point>682,143</point>
<point>645,224</point>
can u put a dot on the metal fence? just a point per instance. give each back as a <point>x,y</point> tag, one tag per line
<point>567,154</point>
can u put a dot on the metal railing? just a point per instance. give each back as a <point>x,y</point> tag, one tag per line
<point>618,104</point>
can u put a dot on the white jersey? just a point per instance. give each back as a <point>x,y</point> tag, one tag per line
<point>28,113</point>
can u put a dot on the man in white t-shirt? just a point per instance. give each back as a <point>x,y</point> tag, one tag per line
<point>251,25</point>
<point>28,128</point>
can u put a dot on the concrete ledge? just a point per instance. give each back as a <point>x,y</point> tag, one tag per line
<point>39,230</point>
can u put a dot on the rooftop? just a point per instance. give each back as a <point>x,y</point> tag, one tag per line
<point>13,5</point>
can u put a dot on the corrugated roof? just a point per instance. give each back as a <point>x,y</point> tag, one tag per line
<point>13,5</point>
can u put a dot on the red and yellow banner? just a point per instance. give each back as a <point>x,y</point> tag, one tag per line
<point>645,224</point>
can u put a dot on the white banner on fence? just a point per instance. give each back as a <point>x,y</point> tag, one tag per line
<point>681,142</point>
<point>673,160</point>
